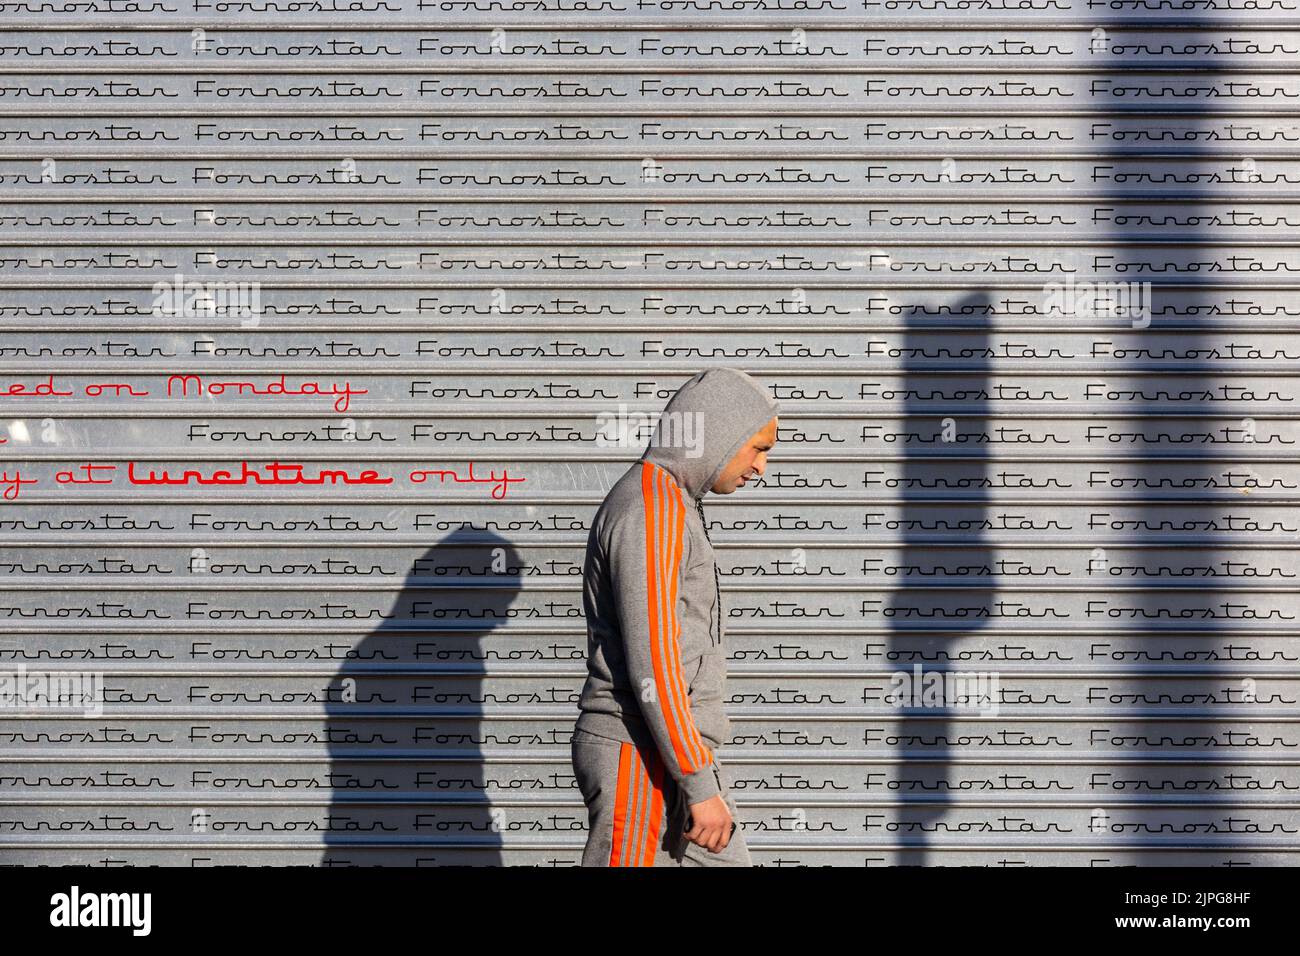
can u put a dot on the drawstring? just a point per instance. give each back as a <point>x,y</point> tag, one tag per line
<point>699,508</point>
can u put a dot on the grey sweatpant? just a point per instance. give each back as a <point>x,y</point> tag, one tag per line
<point>636,813</point>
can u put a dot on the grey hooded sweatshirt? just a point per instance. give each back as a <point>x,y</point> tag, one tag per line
<point>656,662</point>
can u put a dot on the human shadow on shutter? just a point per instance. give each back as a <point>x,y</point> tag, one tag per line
<point>421,731</point>
<point>936,610</point>
<point>1188,776</point>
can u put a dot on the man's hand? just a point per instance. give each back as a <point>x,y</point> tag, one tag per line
<point>710,824</point>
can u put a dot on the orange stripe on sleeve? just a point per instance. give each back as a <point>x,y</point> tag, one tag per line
<point>665,515</point>
<point>670,630</point>
<point>653,562</point>
<point>702,752</point>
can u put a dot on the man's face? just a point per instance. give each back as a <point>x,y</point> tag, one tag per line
<point>750,461</point>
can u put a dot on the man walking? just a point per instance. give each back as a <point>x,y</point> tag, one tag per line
<point>651,711</point>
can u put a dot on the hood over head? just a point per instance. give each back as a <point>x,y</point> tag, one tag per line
<point>705,423</point>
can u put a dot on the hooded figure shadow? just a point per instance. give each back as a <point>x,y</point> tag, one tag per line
<point>409,781</point>
<point>935,647</point>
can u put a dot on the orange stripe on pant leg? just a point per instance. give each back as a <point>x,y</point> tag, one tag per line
<point>643,812</point>
<point>637,816</point>
<point>656,810</point>
<point>620,803</point>
<point>636,836</point>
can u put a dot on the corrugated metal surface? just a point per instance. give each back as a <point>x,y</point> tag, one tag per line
<point>474,245</point>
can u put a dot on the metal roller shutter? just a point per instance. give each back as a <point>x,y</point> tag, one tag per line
<point>412,277</point>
